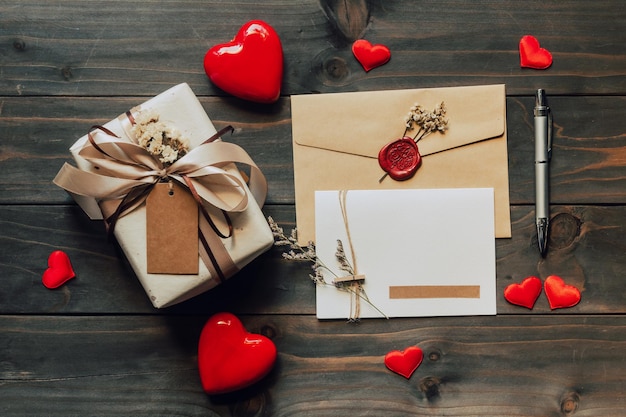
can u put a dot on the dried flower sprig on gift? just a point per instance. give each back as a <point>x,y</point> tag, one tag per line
<point>307,253</point>
<point>424,121</point>
<point>162,141</point>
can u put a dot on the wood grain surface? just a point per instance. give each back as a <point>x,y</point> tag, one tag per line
<point>97,347</point>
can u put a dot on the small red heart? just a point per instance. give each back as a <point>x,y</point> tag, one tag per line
<point>59,270</point>
<point>404,362</point>
<point>532,55</point>
<point>400,158</point>
<point>250,66</point>
<point>524,294</point>
<point>230,358</point>
<point>559,294</point>
<point>370,56</point>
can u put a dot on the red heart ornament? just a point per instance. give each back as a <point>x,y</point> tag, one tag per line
<point>230,358</point>
<point>59,270</point>
<point>524,294</point>
<point>404,362</point>
<point>400,159</point>
<point>559,294</point>
<point>532,55</point>
<point>250,66</point>
<point>370,56</point>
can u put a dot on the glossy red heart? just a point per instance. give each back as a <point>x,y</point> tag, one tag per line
<point>404,362</point>
<point>532,55</point>
<point>59,270</point>
<point>524,294</point>
<point>250,66</point>
<point>230,358</point>
<point>400,158</point>
<point>370,56</point>
<point>560,294</point>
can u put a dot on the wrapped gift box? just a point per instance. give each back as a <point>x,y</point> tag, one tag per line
<point>251,236</point>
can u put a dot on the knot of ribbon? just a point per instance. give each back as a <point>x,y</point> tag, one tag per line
<point>124,174</point>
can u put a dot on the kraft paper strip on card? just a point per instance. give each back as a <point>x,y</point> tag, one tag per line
<point>434,291</point>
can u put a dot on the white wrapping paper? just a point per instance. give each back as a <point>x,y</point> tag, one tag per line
<point>180,108</point>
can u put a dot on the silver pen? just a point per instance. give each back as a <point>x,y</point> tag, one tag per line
<point>543,153</point>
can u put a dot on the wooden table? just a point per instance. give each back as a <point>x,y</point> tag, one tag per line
<point>96,346</point>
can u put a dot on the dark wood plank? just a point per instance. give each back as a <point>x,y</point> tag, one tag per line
<point>106,283</point>
<point>122,48</point>
<point>122,365</point>
<point>588,167</point>
<point>37,133</point>
<point>586,249</point>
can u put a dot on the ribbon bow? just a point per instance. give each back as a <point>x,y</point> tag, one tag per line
<point>126,172</point>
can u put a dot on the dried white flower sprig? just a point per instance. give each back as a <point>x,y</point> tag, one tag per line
<point>161,140</point>
<point>344,264</point>
<point>425,121</point>
<point>296,251</point>
<point>307,253</point>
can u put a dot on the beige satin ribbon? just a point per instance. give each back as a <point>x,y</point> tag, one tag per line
<point>127,172</point>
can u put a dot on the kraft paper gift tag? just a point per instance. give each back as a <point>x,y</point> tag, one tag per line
<point>171,230</point>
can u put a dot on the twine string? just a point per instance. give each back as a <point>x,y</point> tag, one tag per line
<point>356,287</point>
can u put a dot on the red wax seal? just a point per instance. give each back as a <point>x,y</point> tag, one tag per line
<point>400,159</point>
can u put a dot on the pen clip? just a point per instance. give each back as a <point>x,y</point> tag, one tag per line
<point>549,133</point>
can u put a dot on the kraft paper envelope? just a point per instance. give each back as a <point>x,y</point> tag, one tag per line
<point>337,137</point>
<point>420,255</point>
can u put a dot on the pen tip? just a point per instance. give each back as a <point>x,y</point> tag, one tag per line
<point>540,97</point>
<point>542,235</point>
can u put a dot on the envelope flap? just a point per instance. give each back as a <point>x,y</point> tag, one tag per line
<point>361,123</point>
